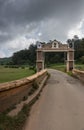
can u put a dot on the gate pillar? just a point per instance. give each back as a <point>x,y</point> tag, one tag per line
<point>70,60</point>
<point>40,60</point>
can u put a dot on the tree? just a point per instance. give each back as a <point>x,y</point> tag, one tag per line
<point>82,59</point>
<point>32,53</point>
<point>27,56</point>
<point>78,46</point>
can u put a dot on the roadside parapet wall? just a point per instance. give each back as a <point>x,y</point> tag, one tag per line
<point>13,92</point>
<point>79,74</point>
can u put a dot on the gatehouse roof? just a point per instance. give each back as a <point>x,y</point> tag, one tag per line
<point>54,45</point>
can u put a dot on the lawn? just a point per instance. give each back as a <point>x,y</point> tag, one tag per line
<point>10,74</point>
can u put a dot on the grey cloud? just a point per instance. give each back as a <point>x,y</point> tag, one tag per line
<point>53,18</point>
<point>28,10</point>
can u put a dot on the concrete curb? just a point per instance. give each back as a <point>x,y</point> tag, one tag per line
<point>79,74</point>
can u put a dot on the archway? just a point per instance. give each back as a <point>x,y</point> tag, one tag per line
<point>54,46</point>
<point>55,60</point>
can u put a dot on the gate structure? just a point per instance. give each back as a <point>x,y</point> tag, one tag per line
<point>54,46</point>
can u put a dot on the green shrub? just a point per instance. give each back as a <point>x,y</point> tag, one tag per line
<point>6,66</point>
<point>31,67</point>
<point>22,67</point>
<point>82,59</point>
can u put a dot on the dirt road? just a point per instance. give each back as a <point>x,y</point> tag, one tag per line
<point>61,105</point>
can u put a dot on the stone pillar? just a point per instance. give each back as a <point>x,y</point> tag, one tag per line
<point>70,60</point>
<point>40,60</point>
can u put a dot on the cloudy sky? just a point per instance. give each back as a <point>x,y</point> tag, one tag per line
<point>23,22</point>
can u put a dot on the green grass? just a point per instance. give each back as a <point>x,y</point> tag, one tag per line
<point>10,74</point>
<point>60,67</point>
<point>16,122</point>
<point>79,66</point>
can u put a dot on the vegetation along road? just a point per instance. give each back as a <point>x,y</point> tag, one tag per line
<point>61,105</point>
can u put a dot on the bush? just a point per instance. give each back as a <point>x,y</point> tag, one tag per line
<point>82,59</point>
<point>22,67</point>
<point>6,66</point>
<point>31,67</point>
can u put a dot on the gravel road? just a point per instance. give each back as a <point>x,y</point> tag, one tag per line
<point>60,106</point>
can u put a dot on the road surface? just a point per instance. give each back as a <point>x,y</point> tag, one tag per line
<point>61,105</point>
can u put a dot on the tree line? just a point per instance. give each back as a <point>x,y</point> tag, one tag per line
<point>78,46</point>
<point>28,56</point>
<point>25,57</point>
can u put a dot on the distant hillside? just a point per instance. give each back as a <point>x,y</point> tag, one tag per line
<point>5,61</point>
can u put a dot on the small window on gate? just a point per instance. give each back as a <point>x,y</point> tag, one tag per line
<point>55,45</point>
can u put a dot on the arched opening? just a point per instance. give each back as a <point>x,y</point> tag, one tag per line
<point>55,60</point>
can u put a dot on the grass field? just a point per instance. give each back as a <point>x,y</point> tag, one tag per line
<point>59,66</point>
<point>62,67</point>
<point>10,74</point>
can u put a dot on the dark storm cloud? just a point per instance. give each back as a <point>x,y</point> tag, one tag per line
<point>53,18</point>
<point>19,11</point>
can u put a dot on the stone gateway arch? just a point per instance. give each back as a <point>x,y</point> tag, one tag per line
<point>54,46</point>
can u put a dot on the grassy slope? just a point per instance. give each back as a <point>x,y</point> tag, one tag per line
<point>9,74</point>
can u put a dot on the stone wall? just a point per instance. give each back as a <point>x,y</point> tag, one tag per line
<point>79,74</point>
<point>13,92</point>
